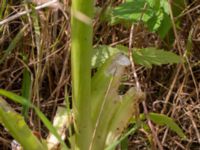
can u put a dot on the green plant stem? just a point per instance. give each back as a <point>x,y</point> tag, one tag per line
<point>82,11</point>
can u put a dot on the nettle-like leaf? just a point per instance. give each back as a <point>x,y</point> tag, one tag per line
<point>145,57</point>
<point>152,56</point>
<point>153,13</point>
<point>131,10</point>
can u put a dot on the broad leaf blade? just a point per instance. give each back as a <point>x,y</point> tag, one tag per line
<point>146,56</point>
<point>17,127</point>
<point>128,107</point>
<point>152,56</point>
<point>19,99</point>
<point>161,119</point>
<point>105,98</point>
<point>132,11</point>
<point>153,13</point>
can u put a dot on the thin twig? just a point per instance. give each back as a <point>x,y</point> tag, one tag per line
<point>138,84</point>
<point>138,87</point>
<point>194,125</point>
<point>180,52</point>
<point>189,11</point>
<point>171,89</point>
<point>151,126</point>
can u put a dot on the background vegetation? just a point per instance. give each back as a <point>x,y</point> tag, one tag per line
<point>161,39</point>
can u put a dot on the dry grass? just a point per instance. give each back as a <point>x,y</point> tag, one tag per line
<point>172,90</point>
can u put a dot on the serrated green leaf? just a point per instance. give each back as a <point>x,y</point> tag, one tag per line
<point>152,56</point>
<point>164,4</point>
<point>154,4</point>
<point>165,26</point>
<point>161,119</point>
<point>153,13</point>
<point>155,21</point>
<point>146,57</point>
<point>132,10</point>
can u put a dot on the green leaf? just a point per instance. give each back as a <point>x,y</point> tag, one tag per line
<point>153,13</point>
<point>146,57</point>
<point>19,99</point>
<point>165,26</point>
<point>101,53</point>
<point>14,97</point>
<point>152,56</point>
<point>132,11</point>
<point>128,106</point>
<point>164,4</point>
<point>26,90</point>
<point>18,128</point>
<point>161,119</point>
<point>154,4</point>
<point>155,21</point>
<point>105,98</point>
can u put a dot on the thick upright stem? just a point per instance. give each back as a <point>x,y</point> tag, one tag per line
<point>81,24</point>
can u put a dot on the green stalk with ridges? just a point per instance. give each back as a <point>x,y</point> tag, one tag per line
<point>81,25</point>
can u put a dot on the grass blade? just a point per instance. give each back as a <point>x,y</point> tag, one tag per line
<point>18,128</point>
<point>19,99</point>
<point>50,127</point>
<point>26,90</point>
<point>13,43</point>
<point>2,8</point>
<point>131,131</point>
<point>15,97</point>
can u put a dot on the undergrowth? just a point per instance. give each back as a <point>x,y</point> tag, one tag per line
<point>162,44</point>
